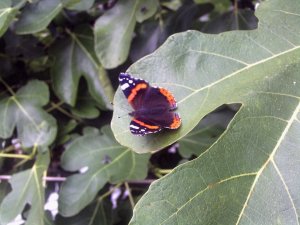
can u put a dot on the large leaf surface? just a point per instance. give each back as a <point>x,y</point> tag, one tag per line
<point>204,71</point>
<point>251,174</point>
<point>7,14</point>
<point>36,16</point>
<point>75,57</point>
<point>27,187</point>
<point>107,161</point>
<point>23,111</point>
<point>114,30</point>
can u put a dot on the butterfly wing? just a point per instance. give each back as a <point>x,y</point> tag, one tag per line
<point>134,89</point>
<point>158,105</point>
<point>152,106</point>
<point>140,127</point>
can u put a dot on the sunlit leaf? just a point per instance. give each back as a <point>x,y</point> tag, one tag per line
<point>251,174</point>
<point>205,71</point>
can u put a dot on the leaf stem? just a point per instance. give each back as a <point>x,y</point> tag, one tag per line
<point>129,195</point>
<point>16,156</point>
<point>32,154</point>
<point>7,87</point>
<point>108,192</point>
<point>161,172</point>
<point>56,106</point>
<point>8,149</point>
<point>49,179</point>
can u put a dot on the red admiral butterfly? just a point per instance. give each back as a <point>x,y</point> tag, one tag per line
<point>152,106</point>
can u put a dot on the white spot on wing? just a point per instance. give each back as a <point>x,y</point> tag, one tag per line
<point>134,127</point>
<point>124,86</point>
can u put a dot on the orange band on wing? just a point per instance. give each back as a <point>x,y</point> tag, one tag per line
<point>168,95</point>
<point>176,122</point>
<point>146,125</point>
<point>135,90</point>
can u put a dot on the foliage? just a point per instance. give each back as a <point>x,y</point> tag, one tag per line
<point>59,63</point>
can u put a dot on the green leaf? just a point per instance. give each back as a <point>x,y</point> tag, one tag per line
<point>205,71</point>
<point>251,174</point>
<point>27,187</point>
<point>98,213</point>
<point>75,57</point>
<point>107,161</point>
<point>7,14</point>
<point>219,5</point>
<point>205,133</point>
<point>146,9</point>
<point>64,128</point>
<point>81,5</point>
<point>198,140</point>
<point>86,107</point>
<point>35,17</point>
<point>233,20</point>
<point>114,30</point>
<point>23,111</point>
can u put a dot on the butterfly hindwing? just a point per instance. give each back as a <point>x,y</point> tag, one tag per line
<point>138,127</point>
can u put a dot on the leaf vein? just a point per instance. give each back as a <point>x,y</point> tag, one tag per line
<point>205,189</point>
<point>285,131</point>
<point>237,72</point>
<point>287,190</point>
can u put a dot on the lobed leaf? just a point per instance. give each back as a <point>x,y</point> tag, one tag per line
<point>205,71</point>
<point>106,160</point>
<point>75,57</point>
<point>250,174</point>
<point>23,111</point>
<point>27,188</point>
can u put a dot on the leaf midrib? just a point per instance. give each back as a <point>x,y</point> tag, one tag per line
<point>271,159</point>
<point>256,174</point>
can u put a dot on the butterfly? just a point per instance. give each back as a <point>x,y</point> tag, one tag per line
<point>153,106</point>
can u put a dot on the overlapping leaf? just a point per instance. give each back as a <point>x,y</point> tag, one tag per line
<point>7,14</point>
<point>75,57</point>
<point>27,188</point>
<point>198,140</point>
<point>80,5</point>
<point>24,112</point>
<point>36,16</point>
<point>114,30</point>
<point>251,174</point>
<point>106,160</point>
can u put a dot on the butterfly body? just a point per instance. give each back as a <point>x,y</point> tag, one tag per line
<point>153,106</point>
